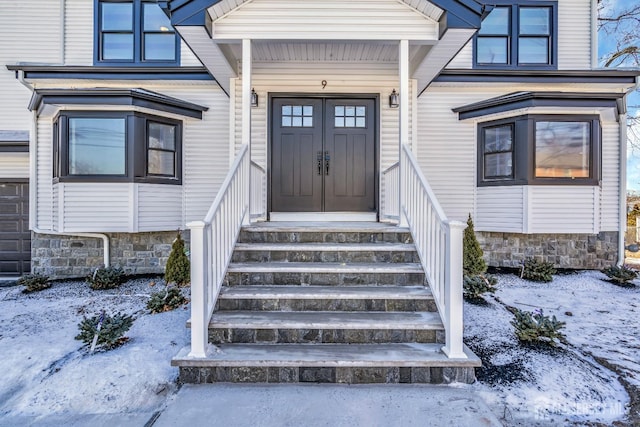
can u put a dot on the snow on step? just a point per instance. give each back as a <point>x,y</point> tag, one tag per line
<point>326,355</point>
<point>326,292</point>
<point>327,227</point>
<point>326,320</point>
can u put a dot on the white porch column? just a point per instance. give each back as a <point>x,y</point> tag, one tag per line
<point>453,315</point>
<point>199,286</point>
<point>403,70</point>
<point>246,115</point>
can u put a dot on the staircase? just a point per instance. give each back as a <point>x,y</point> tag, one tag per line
<point>327,303</point>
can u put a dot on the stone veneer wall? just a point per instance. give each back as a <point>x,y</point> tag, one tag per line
<point>576,251</point>
<point>68,256</point>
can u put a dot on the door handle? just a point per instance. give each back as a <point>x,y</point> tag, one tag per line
<point>319,158</point>
<point>327,160</point>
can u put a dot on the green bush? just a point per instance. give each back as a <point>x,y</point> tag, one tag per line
<point>475,286</point>
<point>178,268</point>
<point>111,333</point>
<point>106,278</point>
<point>166,300</point>
<point>538,271</point>
<point>620,275</point>
<point>473,264</point>
<point>34,282</point>
<point>536,327</point>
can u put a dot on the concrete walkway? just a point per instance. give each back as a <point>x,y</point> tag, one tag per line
<point>311,405</point>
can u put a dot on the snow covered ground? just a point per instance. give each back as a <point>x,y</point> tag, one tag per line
<point>537,386</point>
<point>45,370</point>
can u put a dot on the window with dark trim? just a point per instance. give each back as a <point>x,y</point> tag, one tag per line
<point>540,150</point>
<point>134,32</point>
<point>117,146</point>
<point>521,35</point>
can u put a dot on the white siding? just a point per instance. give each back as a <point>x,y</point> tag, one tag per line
<point>14,165</point>
<point>327,20</point>
<point>563,209</point>
<point>206,147</point>
<point>464,58</point>
<point>159,207</point>
<point>609,198</point>
<point>574,34</point>
<point>78,36</point>
<point>21,41</point>
<point>574,38</point>
<point>45,172</point>
<point>500,208</point>
<point>187,58</point>
<point>84,207</point>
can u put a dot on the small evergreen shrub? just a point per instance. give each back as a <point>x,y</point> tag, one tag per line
<point>111,333</point>
<point>166,300</point>
<point>620,275</point>
<point>178,268</point>
<point>473,264</point>
<point>475,286</point>
<point>537,328</point>
<point>34,282</point>
<point>106,278</point>
<point>537,271</point>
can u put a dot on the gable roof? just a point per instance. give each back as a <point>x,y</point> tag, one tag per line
<point>457,13</point>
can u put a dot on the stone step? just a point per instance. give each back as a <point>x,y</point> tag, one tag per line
<point>324,327</point>
<point>326,252</point>
<point>332,363</point>
<point>330,232</point>
<point>324,273</point>
<point>326,298</point>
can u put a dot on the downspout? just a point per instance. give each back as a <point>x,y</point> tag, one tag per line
<point>623,177</point>
<point>33,184</point>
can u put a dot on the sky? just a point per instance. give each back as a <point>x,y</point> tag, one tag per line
<point>606,45</point>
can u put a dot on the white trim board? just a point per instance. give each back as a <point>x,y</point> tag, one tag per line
<point>323,216</point>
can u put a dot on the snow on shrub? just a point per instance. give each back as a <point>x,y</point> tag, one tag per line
<point>620,275</point>
<point>106,278</point>
<point>109,330</point>
<point>475,286</point>
<point>537,271</point>
<point>167,300</point>
<point>34,282</point>
<point>536,327</point>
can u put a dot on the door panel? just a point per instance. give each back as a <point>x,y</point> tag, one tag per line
<point>297,139</point>
<point>323,155</point>
<point>350,142</point>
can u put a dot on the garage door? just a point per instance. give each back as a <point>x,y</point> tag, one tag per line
<point>15,237</point>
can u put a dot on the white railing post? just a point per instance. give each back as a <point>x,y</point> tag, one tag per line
<point>454,347</point>
<point>199,290</point>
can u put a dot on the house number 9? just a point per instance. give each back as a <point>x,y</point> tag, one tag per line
<point>324,84</point>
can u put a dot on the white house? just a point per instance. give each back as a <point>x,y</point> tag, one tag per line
<point>125,120</point>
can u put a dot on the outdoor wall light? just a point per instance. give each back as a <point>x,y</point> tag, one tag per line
<point>394,99</point>
<point>254,98</point>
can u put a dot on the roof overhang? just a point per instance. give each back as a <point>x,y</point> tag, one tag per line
<point>14,141</point>
<point>522,100</point>
<point>122,97</point>
<point>33,71</point>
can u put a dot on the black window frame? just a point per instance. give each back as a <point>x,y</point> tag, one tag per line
<point>486,153</point>
<point>524,150</point>
<point>514,36</point>
<point>138,38</point>
<point>136,143</point>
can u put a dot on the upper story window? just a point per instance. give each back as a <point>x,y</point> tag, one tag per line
<point>522,35</point>
<point>134,32</point>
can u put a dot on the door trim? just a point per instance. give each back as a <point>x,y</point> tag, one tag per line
<point>376,140</point>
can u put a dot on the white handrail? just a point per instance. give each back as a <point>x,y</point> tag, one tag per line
<point>212,243</point>
<point>390,207</point>
<point>439,244</point>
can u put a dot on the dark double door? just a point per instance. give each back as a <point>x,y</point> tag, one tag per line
<point>323,155</point>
